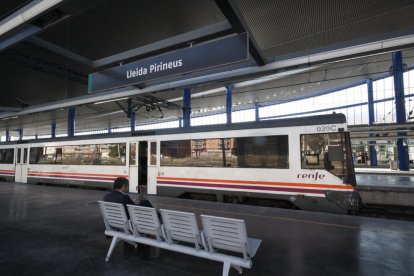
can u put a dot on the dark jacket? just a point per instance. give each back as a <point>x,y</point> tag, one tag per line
<point>119,197</point>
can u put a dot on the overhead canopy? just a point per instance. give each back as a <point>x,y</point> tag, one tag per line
<point>48,57</point>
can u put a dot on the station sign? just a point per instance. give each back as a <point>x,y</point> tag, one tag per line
<point>207,55</point>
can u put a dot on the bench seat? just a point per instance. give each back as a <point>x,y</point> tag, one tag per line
<point>180,233</point>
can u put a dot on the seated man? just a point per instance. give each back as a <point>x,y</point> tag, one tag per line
<point>118,195</point>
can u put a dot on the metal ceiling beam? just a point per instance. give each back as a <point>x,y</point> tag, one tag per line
<point>39,64</point>
<point>391,137</point>
<point>9,109</point>
<point>214,30</point>
<point>389,36</point>
<point>234,16</point>
<point>378,128</point>
<point>210,31</point>
<point>23,33</point>
<point>289,64</point>
<point>248,83</point>
<point>25,14</point>
<point>60,51</point>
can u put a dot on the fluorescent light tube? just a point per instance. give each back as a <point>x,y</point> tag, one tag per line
<point>38,8</point>
<point>26,13</point>
<point>112,100</point>
<point>10,24</point>
<point>9,118</point>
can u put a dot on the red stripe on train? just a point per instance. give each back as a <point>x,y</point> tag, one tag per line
<point>243,187</point>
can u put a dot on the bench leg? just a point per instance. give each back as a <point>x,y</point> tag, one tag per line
<point>132,243</point>
<point>226,268</point>
<point>238,268</point>
<point>114,242</point>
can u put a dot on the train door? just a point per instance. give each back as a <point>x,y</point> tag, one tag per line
<point>133,167</point>
<point>147,166</point>
<point>21,165</point>
<point>142,166</point>
<point>152,168</point>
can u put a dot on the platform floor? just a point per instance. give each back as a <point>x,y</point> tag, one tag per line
<point>59,231</point>
<point>382,180</point>
<point>386,171</point>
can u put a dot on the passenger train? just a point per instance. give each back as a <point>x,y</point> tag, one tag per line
<point>304,163</point>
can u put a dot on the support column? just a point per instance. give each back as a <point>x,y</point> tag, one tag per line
<point>371,119</point>
<point>109,130</point>
<point>53,130</point>
<point>132,121</point>
<point>71,121</point>
<point>229,102</point>
<point>7,136</point>
<point>20,133</point>
<point>36,137</point>
<point>187,107</point>
<point>256,112</point>
<point>180,121</point>
<point>397,71</point>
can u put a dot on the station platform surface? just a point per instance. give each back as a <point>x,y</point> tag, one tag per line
<point>384,181</point>
<point>383,171</point>
<point>48,230</point>
<point>386,189</point>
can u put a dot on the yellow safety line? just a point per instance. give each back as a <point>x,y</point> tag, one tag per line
<point>296,220</point>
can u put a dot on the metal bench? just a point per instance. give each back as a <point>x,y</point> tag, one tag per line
<point>145,222</point>
<point>229,235</point>
<point>181,227</point>
<point>180,233</point>
<point>116,223</point>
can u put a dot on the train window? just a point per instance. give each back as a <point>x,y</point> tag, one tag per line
<point>325,151</point>
<point>261,152</point>
<point>6,156</point>
<point>194,153</point>
<point>246,152</point>
<point>44,155</point>
<point>114,154</point>
<point>153,148</point>
<point>58,159</point>
<point>35,155</point>
<point>105,154</point>
<point>81,155</point>
<point>25,156</point>
<point>76,155</point>
<point>133,154</point>
<point>19,155</point>
<point>176,153</point>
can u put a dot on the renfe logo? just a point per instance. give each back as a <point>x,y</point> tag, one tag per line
<point>314,176</point>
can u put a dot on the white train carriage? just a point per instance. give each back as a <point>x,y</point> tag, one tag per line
<point>302,162</point>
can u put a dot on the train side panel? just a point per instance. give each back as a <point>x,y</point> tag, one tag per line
<point>7,172</point>
<point>304,188</point>
<point>88,176</point>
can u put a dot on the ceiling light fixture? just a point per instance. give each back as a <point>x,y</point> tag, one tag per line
<point>9,118</point>
<point>112,100</point>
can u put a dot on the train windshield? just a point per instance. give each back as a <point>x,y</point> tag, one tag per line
<point>328,151</point>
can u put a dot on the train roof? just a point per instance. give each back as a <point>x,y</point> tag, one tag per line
<point>336,118</point>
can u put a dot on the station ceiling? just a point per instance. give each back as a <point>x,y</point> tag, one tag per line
<point>48,58</point>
